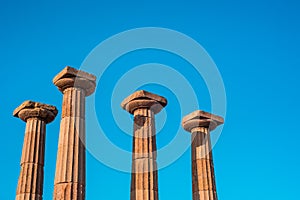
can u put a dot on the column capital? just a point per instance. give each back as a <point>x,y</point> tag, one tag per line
<point>144,99</point>
<point>31,109</point>
<point>71,77</point>
<point>201,118</point>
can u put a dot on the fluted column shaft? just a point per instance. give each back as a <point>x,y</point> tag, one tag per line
<point>36,116</point>
<point>30,184</point>
<point>203,178</point>
<point>199,123</point>
<point>144,179</point>
<point>70,166</point>
<point>70,183</point>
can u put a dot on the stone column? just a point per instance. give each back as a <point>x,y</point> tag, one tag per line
<point>144,179</point>
<point>36,116</point>
<point>200,123</point>
<point>69,180</point>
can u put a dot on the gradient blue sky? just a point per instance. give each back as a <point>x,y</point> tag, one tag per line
<point>255,45</point>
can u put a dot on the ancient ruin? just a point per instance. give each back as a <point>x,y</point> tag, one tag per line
<point>144,178</point>
<point>69,180</point>
<point>200,123</point>
<point>70,175</point>
<point>31,179</point>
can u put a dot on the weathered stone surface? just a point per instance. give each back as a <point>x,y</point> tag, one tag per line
<point>30,109</point>
<point>199,114</point>
<point>199,123</point>
<point>70,180</point>
<point>201,118</point>
<point>30,183</point>
<point>70,77</point>
<point>144,99</point>
<point>70,191</point>
<point>68,72</point>
<point>144,178</point>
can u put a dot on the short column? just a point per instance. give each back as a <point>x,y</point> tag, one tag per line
<point>69,180</point>
<point>36,115</point>
<point>200,123</point>
<point>144,178</point>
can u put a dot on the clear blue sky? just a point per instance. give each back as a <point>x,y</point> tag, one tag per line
<point>255,45</point>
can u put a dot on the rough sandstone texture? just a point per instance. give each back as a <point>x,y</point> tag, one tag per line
<point>36,115</point>
<point>69,183</point>
<point>200,123</point>
<point>144,178</point>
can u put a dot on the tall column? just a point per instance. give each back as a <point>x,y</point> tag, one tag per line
<point>36,116</point>
<point>200,123</point>
<point>69,183</point>
<point>144,179</point>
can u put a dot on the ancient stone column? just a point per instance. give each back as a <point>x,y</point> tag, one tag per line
<point>200,123</point>
<point>144,179</point>
<point>69,183</point>
<point>36,116</point>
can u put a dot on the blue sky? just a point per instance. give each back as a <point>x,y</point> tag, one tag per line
<point>255,45</point>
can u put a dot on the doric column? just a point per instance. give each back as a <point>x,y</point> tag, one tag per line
<point>200,123</point>
<point>69,181</point>
<point>144,179</point>
<point>36,116</point>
